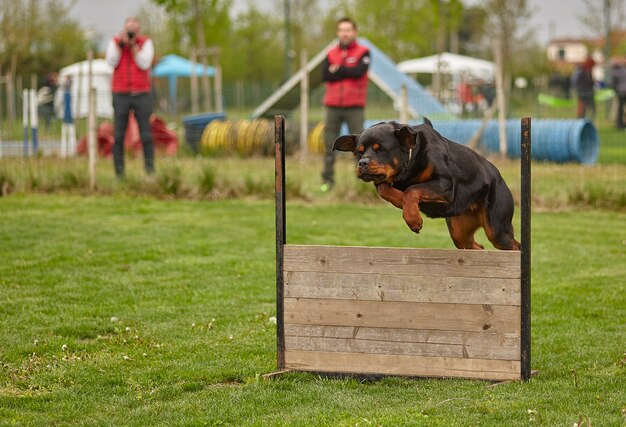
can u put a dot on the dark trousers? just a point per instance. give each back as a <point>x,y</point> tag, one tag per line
<point>621,100</point>
<point>586,101</point>
<point>46,111</point>
<point>335,117</point>
<point>141,104</point>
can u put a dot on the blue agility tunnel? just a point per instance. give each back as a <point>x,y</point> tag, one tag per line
<point>559,141</point>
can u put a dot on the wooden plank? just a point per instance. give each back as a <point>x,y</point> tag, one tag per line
<point>391,314</point>
<point>351,345</point>
<point>401,261</point>
<point>479,345</point>
<point>391,287</point>
<point>417,366</point>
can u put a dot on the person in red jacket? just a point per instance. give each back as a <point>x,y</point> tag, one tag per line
<point>130,54</point>
<point>345,73</point>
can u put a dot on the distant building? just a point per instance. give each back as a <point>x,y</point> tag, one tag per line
<point>566,53</point>
<point>574,51</point>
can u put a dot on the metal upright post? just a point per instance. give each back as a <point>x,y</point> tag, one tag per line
<point>525,252</point>
<point>279,134</point>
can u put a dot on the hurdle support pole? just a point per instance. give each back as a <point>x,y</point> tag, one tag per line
<point>25,115</point>
<point>525,250</point>
<point>279,122</point>
<point>34,120</point>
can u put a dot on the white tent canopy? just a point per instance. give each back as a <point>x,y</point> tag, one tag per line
<point>450,63</point>
<point>101,80</point>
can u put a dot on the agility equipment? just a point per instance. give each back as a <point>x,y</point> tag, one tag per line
<point>367,311</point>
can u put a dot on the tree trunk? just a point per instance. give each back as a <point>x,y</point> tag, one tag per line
<point>206,87</point>
<point>500,97</point>
<point>438,78</point>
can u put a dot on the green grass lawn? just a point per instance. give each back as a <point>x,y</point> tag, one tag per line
<point>133,311</point>
<point>612,146</point>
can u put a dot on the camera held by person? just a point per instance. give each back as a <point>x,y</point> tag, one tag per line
<point>128,38</point>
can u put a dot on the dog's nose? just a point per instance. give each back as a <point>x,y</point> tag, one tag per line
<point>364,162</point>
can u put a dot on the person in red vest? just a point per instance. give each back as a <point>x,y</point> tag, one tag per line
<point>584,84</point>
<point>345,73</point>
<point>130,54</point>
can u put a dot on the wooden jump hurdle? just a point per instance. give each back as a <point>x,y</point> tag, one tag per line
<point>369,311</point>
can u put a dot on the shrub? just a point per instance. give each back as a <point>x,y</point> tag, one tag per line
<point>71,180</point>
<point>170,181</point>
<point>258,187</point>
<point>206,180</point>
<point>6,184</point>
<point>597,196</point>
<point>33,182</point>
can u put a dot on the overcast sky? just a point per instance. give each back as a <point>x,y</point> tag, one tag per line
<point>556,18</point>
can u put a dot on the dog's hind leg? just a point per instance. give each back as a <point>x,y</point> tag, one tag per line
<point>462,228</point>
<point>500,235</point>
<point>497,218</point>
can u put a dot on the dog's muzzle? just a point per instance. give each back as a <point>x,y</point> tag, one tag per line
<point>365,173</point>
<point>364,164</point>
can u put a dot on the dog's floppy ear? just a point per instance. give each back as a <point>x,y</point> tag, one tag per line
<point>345,143</point>
<point>407,136</point>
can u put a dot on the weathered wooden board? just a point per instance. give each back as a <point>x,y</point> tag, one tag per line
<point>482,345</point>
<point>393,364</point>
<point>393,287</point>
<point>400,261</point>
<point>443,317</point>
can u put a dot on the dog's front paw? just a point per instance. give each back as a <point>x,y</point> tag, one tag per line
<point>414,224</point>
<point>413,219</point>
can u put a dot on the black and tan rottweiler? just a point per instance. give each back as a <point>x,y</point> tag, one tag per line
<point>416,169</point>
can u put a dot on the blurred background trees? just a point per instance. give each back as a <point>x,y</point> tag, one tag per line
<point>39,36</point>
